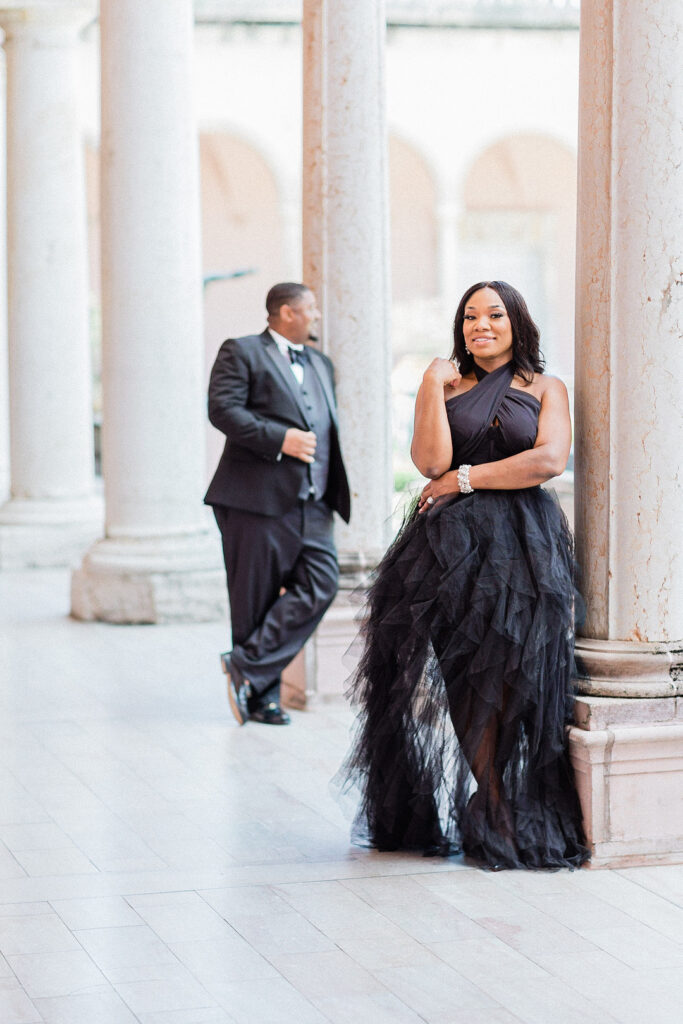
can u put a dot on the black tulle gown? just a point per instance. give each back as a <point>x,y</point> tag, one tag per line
<point>464,684</point>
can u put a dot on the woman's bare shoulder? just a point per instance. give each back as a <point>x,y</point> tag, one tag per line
<point>552,386</point>
<point>542,385</point>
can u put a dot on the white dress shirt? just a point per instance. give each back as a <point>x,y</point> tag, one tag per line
<point>284,345</point>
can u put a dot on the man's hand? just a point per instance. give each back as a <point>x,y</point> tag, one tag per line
<point>300,444</point>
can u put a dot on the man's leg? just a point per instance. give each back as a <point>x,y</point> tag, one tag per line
<point>263,554</point>
<point>259,552</point>
<point>310,588</point>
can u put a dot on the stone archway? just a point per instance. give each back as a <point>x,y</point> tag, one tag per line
<point>413,223</point>
<point>241,230</point>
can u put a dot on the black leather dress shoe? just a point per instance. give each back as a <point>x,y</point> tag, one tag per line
<point>270,714</point>
<point>238,689</point>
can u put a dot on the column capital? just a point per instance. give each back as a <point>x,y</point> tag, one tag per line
<point>31,17</point>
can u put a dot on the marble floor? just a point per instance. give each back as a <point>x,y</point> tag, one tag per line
<point>160,865</point>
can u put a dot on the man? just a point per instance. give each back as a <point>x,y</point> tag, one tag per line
<point>279,479</point>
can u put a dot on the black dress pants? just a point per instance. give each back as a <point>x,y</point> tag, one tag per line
<point>282,574</point>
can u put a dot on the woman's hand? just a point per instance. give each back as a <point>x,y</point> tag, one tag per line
<point>438,490</point>
<point>443,371</point>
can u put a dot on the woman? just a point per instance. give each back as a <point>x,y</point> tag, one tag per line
<point>465,681</point>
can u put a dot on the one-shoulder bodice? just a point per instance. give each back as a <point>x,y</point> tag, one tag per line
<point>512,429</point>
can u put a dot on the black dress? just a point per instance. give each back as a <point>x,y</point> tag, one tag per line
<point>465,679</point>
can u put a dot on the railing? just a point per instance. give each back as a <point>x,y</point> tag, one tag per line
<point>433,13</point>
<point>448,10</point>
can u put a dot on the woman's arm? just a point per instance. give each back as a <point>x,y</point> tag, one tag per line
<point>548,457</point>
<point>432,447</point>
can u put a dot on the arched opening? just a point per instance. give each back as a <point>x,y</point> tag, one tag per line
<point>413,223</point>
<point>241,230</point>
<point>519,220</point>
<point>414,279</point>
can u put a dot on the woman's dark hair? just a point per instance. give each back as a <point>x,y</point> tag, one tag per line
<point>527,358</point>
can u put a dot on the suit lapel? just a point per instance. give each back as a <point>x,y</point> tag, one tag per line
<point>285,370</point>
<point>323,376</point>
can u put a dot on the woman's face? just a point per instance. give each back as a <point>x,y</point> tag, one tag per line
<point>487,328</point>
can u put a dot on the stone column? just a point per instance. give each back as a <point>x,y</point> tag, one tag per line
<point>314,155</point>
<point>4,350</point>
<point>346,259</point>
<point>160,558</point>
<point>346,252</point>
<point>52,514</point>
<point>628,746</point>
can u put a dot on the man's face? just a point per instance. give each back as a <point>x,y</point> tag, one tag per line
<point>304,318</point>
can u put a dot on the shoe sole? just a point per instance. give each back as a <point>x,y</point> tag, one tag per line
<point>259,721</point>
<point>232,697</point>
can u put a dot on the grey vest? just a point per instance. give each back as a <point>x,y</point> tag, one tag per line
<point>318,415</point>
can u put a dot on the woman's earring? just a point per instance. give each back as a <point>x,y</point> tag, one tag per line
<point>468,351</point>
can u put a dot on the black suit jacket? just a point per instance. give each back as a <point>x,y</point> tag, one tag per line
<point>253,399</point>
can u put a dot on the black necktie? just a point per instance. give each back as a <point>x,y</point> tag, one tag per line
<point>299,356</point>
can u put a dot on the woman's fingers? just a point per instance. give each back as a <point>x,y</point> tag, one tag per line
<point>426,500</point>
<point>443,370</point>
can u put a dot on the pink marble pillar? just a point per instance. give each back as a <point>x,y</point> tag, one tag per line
<point>4,351</point>
<point>346,246</point>
<point>628,748</point>
<point>346,261</point>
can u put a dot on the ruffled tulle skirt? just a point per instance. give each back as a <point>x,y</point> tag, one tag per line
<point>464,687</point>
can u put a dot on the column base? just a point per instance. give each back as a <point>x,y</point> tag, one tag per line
<point>45,533</point>
<point>299,678</point>
<point>628,758</point>
<point>356,568</point>
<point>176,578</point>
<point>321,671</point>
<point>338,647</point>
<point>625,668</point>
<point>335,655</point>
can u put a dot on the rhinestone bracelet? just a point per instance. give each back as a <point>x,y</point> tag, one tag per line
<point>464,480</point>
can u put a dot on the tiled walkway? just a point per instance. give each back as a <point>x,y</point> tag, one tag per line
<point>159,864</point>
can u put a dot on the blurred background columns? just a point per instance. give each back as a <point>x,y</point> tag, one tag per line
<point>159,561</point>
<point>4,350</point>
<point>52,512</point>
<point>628,748</point>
